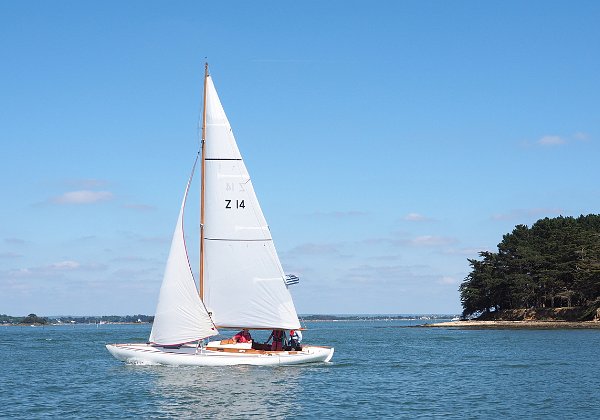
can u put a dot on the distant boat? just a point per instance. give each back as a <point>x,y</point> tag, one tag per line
<point>241,282</point>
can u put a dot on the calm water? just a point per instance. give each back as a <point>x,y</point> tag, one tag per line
<point>380,369</point>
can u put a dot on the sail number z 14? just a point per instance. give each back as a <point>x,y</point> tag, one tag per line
<point>239,204</point>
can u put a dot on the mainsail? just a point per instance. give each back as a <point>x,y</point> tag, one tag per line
<point>180,314</point>
<point>243,279</point>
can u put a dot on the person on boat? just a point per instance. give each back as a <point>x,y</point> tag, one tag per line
<point>295,338</point>
<point>242,337</point>
<point>277,336</point>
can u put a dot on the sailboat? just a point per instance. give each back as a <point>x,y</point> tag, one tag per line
<point>241,284</point>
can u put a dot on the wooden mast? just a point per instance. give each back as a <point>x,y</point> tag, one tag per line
<point>202,182</point>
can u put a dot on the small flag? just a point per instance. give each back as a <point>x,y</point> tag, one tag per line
<point>291,279</point>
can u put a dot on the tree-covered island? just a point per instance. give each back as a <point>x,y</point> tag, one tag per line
<point>33,319</point>
<point>553,264</point>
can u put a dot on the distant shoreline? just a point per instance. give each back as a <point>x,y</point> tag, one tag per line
<point>540,325</point>
<point>303,319</point>
<point>68,324</point>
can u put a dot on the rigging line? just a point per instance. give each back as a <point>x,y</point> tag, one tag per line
<point>199,127</point>
<point>187,188</point>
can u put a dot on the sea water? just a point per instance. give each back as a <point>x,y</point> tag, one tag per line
<point>380,369</point>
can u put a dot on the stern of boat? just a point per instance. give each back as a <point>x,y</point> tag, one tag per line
<point>330,355</point>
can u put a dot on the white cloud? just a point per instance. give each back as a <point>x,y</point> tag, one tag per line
<point>554,140</point>
<point>551,141</point>
<point>82,197</point>
<point>416,217</point>
<point>65,265</point>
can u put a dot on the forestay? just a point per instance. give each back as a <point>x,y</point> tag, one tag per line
<point>180,314</point>
<point>243,278</point>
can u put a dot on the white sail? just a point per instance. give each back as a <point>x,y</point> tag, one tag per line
<point>242,282</point>
<point>180,314</point>
<point>243,278</point>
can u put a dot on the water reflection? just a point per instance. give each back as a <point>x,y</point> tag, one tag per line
<point>240,391</point>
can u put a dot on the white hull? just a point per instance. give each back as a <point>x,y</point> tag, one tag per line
<point>189,355</point>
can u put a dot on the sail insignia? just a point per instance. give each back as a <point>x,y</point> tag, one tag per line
<point>291,279</point>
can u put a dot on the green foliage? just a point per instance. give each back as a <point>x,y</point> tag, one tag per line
<point>555,263</point>
<point>7,319</point>
<point>34,319</point>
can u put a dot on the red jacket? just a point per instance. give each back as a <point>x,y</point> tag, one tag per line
<point>242,337</point>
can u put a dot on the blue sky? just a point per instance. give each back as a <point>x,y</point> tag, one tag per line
<point>387,142</point>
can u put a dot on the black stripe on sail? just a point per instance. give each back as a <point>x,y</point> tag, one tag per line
<point>221,159</point>
<point>237,240</point>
